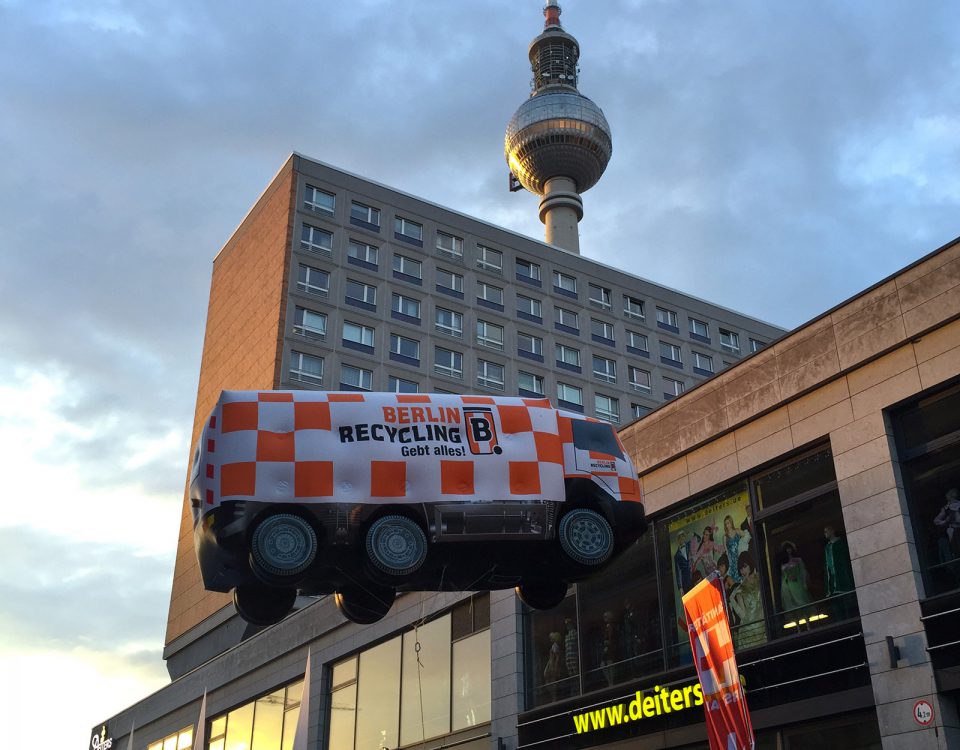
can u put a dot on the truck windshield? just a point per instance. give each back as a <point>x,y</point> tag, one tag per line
<point>596,437</point>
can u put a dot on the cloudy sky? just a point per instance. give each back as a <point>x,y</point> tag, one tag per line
<point>773,157</point>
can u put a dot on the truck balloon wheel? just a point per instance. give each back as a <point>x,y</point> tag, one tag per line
<point>586,537</point>
<point>282,546</point>
<point>542,595</point>
<point>364,604</point>
<point>263,605</point>
<point>396,545</point>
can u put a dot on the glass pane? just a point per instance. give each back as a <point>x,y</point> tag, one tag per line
<point>170,743</point>
<point>185,740</point>
<point>619,621</point>
<point>343,714</point>
<point>795,478</point>
<point>932,418</point>
<point>378,696</point>
<point>290,717</point>
<point>809,566</point>
<point>860,734</point>
<point>553,653</point>
<point>217,726</point>
<point>216,744</point>
<point>425,694</point>
<point>156,746</point>
<point>471,681</point>
<point>294,692</point>
<point>239,728</point>
<point>716,534</point>
<point>344,671</point>
<point>268,722</point>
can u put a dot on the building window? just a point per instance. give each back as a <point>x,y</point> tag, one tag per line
<point>449,363</point>
<point>602,331</point>
<point>361,295</point>
<point>756,345</point>
<point>490,374</point>
<point>354,333</point>
<point>355,378</point>
<point>928,446</point>
<point>568,355</point>
<point>269,721</point>
<point>637,341</point>
<point>490,335</point>
<point>670,354</point>
<point>364,214</point>
<point>601,297</point>
<point>407,266</point>
<point>640,380</point>
<point>417,686</point>
<point>490,260</point>
<point>490,293</point>
<point>449,246</point>
<point>702,364</point>
<point>313,281</point>
<point>306,368</point>
<point>667,319</point>
<point>449,322</point>
<point>404,347</point>
<point>408,231</point>
<point>607,408</point>
<point>319,200</point>
<point>672,388</point>
<point>528,271</point>
<point>316,240</point>
<point>309,323</point>
<point>566,318</point>
<point>364,253</point>
<point>639,410</point>
<point>699,330</point>
<point>565,284</point>
<point>182,740</point>
<point>448,281</point>
<point>399,385</point>
<point>633,307</point>
<point>729,341</point>
<point>570,394</point>
<point>406,306</point>
<point>530,307</point>
<point>530,382</point>
<point>604,369</point>
<point>529,345</point>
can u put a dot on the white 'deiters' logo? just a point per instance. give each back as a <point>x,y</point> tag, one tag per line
<point>101,741</point>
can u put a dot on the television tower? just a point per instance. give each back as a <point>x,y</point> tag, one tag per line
<point>558,141</point>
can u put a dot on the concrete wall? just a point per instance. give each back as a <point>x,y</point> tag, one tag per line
<point>832,380</point>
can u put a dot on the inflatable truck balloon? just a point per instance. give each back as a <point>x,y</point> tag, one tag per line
<point>362,495</point>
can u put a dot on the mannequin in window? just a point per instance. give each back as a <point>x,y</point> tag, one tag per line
<point>571,652</point>
<point>705,558</point>
<point>794,591</point>
<point>610,653</point>
<point>736,541</point>
<point>948,519</point>
<point>838,573</point>
<point>745,602</point>
<point>554,671</point>
<point>681,563</point>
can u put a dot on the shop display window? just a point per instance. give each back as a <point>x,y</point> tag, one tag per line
<point>182,740</point>
<point>419,685</point>
<point>267,723</point>
<point>808,570</point>
<point>928,447</point>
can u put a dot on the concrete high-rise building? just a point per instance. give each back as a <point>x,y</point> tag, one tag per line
<point>334,281</point>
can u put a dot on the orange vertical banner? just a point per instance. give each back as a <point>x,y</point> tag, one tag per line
<point>724,702</point>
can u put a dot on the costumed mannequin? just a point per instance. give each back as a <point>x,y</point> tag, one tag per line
<point>745,602</point>
<point>838,573</point>
<point>554,671</point>
<point>736,543</point>
<point>948,519</point>
<point>681,563</point>
<point>631,632</point>
<point>610,653</point>
<point>571,651</point>
<point>793,579</point>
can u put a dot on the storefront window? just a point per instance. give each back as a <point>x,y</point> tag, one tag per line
<point>267,723</point>
<point>715,535</point>
<point>182,740</point>
<point>928,444</point>
<point>419,685</point>
<point>807,559</point>
<point>553,652</point>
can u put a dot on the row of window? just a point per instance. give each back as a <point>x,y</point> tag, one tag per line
<point>316,239</point>
<point>489,334</point>
<point>309,369</point>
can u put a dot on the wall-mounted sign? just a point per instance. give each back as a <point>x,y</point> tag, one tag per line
<point>645,705</point>
<point>100,741</point>
<point>923,713</point>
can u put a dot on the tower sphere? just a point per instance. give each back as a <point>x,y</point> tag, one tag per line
<point>558,133</point>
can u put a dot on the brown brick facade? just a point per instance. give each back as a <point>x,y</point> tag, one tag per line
<point>242,349</point>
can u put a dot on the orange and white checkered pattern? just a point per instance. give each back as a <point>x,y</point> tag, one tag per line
<point>316,446</point>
